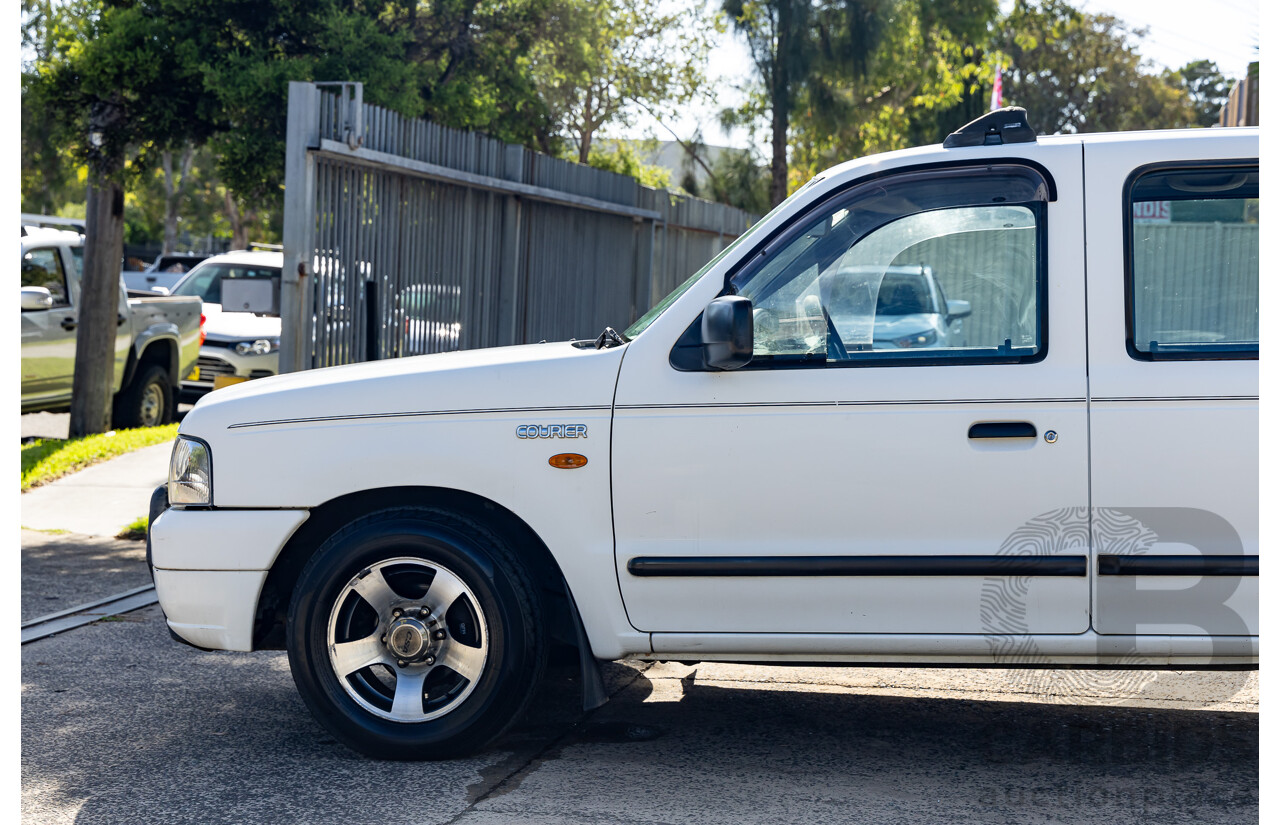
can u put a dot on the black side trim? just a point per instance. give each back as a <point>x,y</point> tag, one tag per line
<point>858,566</point>
<point>1109,565</point>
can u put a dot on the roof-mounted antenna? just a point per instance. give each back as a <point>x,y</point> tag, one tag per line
<point>1007,125</point>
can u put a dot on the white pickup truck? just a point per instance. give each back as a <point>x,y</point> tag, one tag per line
<point>756,471</point>
<point>156,344</point>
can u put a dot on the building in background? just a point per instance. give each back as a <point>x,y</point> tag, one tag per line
<point>1242,106</point>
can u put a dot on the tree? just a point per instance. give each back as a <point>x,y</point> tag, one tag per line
<point>779,35</point>
<point>1078,72</point>
<point>890,75</point>
<point>121,83</point>
<point>598,62</point>
<point>1207,87</point>
<point>736,178</point>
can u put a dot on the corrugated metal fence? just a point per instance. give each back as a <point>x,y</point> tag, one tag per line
<point>404,237</point>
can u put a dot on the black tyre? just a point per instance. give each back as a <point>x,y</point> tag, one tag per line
<point>146,402</point>
<point>415,633</point>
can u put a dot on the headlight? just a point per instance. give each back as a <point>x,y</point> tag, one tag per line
<point>920,339</point>
<point>262,346</point>
<point>190,473</point>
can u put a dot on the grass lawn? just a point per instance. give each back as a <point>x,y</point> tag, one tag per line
<point>136,529</point>
<point>51,458</point>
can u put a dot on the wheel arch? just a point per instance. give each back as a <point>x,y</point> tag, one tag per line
<point>153,349</point>
<point>332,515</point>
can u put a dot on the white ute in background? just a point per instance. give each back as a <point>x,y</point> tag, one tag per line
<point>757,471</point>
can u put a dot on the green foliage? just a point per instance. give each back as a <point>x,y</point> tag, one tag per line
<point>1079,72</point>
<point>921,65</point>
<point>736,178</point>
<point>49,459</point>
<point>1207,87</point>
<point>622,157</point>
<point>598,63</point>
<point>135,530</point>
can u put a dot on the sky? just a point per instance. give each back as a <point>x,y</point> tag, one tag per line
<point>1224,31</point>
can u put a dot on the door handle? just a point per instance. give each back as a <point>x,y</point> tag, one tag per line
<point>1003,429</point>
<point>120,319</point>
<point>68,324</point>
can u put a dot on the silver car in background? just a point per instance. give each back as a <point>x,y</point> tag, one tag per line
<point>910,309</point>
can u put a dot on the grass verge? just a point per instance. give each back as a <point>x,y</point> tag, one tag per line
<point>136,530</point>
<point>52,458</point>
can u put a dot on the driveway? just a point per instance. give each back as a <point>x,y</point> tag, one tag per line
<point>120,724</point>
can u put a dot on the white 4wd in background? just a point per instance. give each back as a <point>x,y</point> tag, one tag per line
<point>753,472</point>
<point>240,343</point>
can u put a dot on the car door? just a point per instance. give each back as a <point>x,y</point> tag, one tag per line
<point>48,335</point>
<point>1173,348</point>
<point>853,480</point>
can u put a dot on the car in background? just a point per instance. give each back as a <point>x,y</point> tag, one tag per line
<point>868,308</point>
<point>242,340</point>
<point>426,319</point>
<point>164,273</point>
<point>157,337</point>
<point>911,311</point>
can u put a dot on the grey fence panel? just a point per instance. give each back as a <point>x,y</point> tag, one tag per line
<point>444,239</point>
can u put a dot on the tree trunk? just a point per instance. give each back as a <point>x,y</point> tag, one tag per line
<point>173,189</point>
<point>584,147</point>
<point>94,377</point>
<point>239,230</point>
<point>780,105</point>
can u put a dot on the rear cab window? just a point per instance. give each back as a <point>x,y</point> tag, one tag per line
<point>1191,262</point>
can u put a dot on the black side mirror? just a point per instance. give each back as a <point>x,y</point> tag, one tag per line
<point>728,332</point>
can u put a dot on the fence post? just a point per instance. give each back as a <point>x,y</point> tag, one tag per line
<point>510,305</point>
<point>299,226</point>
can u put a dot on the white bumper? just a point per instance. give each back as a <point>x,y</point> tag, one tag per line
<point>209,568</point>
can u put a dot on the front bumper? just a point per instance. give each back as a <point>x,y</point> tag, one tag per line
<point>209,567</point>
<point>219,358</point>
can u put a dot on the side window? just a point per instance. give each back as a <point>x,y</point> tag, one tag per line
<point>1192,263</point>
<point>43,267</point>
<point>940,270</point>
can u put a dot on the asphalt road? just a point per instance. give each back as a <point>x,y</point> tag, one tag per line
<point>62,570</point>
<point>120,724</point>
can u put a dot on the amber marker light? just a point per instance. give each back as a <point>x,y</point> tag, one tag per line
<point>568,461</point>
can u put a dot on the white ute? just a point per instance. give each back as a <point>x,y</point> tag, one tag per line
<point>751,473</point>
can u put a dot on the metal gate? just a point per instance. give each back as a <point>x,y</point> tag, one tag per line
<point>403,237</point>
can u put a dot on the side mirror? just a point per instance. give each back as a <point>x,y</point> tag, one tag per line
<point>958,309</point>
<point>36,297</point>
<point>728,332</point>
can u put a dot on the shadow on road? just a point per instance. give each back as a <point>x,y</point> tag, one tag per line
<point>119,725</point>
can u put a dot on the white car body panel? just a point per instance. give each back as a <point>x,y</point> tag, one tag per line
<point>784,463</point>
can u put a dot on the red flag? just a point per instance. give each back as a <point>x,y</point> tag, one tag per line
<point>997,90</point>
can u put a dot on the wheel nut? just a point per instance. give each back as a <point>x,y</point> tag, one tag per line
<point>439,634</point>
<point>395,614</point>
<point>431,660</point>
<point>400,662</point>
<point>384,638</point>
<point>423,613</point>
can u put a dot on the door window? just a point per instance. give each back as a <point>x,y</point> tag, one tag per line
<point>43,267</point>
<point>1193,263</point>
<point>919,272</point>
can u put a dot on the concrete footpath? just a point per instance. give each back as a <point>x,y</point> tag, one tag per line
<point>99,500</point>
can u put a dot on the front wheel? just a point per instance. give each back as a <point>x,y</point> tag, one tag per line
<point>147,401</point>
<point>414,633</point>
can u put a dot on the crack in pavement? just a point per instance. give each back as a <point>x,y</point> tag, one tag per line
<point>512,780</point>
